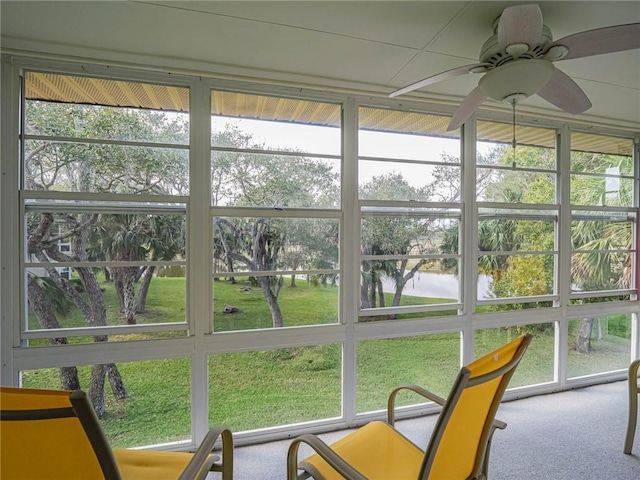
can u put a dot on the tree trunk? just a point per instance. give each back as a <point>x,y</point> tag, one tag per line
<point>229,260</point>
<point>43,310</point>
<point>364,296</point>
<point>405,278</point>
<point>372,290</point>
<point>144,289</point>
<point>118,284</point>
<point>381,293</point>
<point>115,380</point>
<point>69,378</point>
<point>583,344</point>
<point>272,301</point>
<point>96,389</point>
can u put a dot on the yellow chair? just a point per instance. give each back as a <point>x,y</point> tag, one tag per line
<point>55,434</point>
<point>457,450</point>
<point>634,391</point>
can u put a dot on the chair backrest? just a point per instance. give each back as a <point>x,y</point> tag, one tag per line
<point>459,440</point>
<point>52,434</point>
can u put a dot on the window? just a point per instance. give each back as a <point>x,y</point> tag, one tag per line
<point>517,218</point>
<point>105,208</point>
<point>275,184</point>
<point>603,219</point>
<point>409,177</point>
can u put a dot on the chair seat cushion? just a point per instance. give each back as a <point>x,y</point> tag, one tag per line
<point>150,464</point>
<point>375,450</point>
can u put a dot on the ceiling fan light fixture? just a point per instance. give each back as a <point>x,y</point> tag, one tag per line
<point>514,98</point>
<point>521,78</point>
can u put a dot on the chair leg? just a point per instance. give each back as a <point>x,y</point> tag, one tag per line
<point>633,407</point>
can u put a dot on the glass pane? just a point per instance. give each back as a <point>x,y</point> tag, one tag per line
<point>485,287</point>
<point>430,361</point>
<point>151,405</point>
<point>502,133</point>
<point>592,154</point>
<point>247,244</point>
<point>246,303</point>
<point>268,152</point>
<point>516,275</point>
<point>508,233</point>
<point>601,191</point>
<point>66,107</point>
<point>274,181</point>
<point>406,135</point>
<point>61,235</point>
<point>589,142</point>
<point>72,297</point>
<point>408,181</point>
<point>76,167</point>
<point>135,293</point>
<point>269,388</point>
<point>408,233</point>
<point>528,157</point>
<point>601,259</point>
<point>405,283</point>
<point>101,91</point>
<point>385,144</point>
<point>275,123</point>
<point>537,365</point>
<point>601,271</point>
<point>599,344</point>
<point>612,233</point>
<point>512,186</point>
<point>399,121</point>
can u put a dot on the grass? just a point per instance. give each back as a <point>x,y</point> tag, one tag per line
<point>258,389</point>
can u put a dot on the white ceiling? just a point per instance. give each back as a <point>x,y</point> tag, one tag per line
<point>369,47</point>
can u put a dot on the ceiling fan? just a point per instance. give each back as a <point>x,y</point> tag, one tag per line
<point>517,62</point>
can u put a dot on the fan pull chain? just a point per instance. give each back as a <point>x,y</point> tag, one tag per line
<point>513,141</point>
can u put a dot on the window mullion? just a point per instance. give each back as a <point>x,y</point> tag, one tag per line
<point>199,248</point>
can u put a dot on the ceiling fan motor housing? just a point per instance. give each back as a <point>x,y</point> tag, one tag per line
<point>493,54</point>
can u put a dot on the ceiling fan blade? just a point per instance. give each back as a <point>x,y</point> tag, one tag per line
<point>564,93</point>
<point>601,40</point>
<point>520,24</point>
<point>454,72</point>
<point>469,105</point>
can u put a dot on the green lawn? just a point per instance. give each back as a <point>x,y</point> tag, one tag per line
<point>259,389</point>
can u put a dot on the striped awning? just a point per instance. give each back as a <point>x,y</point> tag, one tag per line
<point>100,91</point>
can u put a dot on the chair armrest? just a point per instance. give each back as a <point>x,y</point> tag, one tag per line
<point>499,424</point>
<point>200,464</point>
<point>327,454</point>
<point>414,388</point>
<point>634,386</point>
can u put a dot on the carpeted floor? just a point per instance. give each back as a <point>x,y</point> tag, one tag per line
<point>574,435</point>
